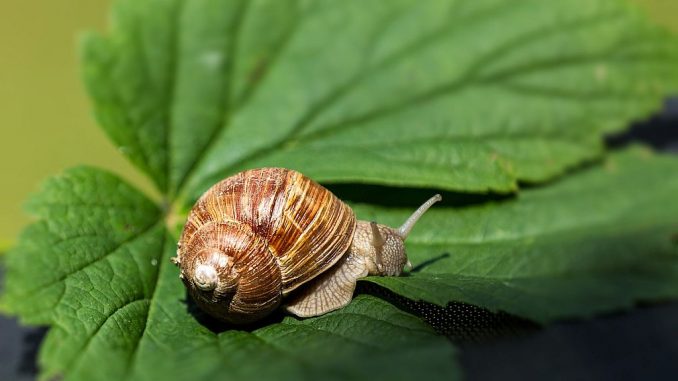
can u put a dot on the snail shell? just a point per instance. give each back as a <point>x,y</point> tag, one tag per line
<point>254,238</point>
<point>258,235</point>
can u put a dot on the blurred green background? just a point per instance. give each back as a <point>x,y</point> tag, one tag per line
<point>45,117</point>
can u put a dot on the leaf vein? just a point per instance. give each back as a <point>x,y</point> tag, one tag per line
<point>96,260</point>
<point>85,346</point>
<point>134,356</point>
<point>226,114</point>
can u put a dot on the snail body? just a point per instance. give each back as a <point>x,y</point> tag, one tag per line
<point>269,235</point>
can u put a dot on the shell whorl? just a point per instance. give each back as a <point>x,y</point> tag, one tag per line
<point>262,233</point>
<point>217,266</point>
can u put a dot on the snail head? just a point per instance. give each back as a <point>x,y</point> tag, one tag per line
<point>385,246</point>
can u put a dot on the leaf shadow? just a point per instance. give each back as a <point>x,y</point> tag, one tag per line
<point>429,262</point>
<point>459,322</point>
<point>657,130</point>
<point>388,196</point>
<point>218,326</point>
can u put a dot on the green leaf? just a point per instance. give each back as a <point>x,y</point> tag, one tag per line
<point>593,242</point>
<point>96,269</point>
<point>90,223</point>
<point>461,95</point>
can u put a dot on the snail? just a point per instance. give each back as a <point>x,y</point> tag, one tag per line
<point>272,235</point>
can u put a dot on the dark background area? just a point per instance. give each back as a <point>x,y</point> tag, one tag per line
<point>631,345</point>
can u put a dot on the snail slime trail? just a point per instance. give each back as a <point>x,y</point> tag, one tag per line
<point>255,237</point>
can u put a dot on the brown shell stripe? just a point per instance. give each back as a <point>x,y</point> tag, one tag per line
<point>258,288</point>
<point>315,232</point>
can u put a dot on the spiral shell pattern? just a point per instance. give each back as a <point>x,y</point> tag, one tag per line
<point>266,232</point>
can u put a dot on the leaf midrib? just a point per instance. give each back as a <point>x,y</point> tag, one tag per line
<point>151,304</point>
<point>172,97</point>
<point>81,354</point>
<point>228,107</point>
